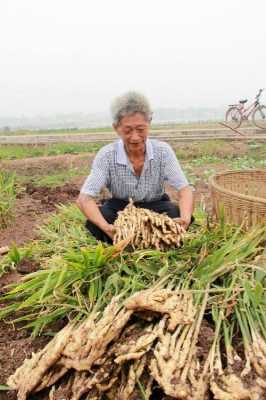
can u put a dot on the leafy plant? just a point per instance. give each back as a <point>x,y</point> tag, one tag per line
<point>8,192</point>
<point>4,388</point>
<point>78,274</point>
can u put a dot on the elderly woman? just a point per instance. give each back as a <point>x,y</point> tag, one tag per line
<point>133,167</point>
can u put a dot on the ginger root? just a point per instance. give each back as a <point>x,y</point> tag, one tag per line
<point>147,229</point>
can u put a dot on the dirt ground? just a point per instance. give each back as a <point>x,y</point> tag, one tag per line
<point>32,207</point>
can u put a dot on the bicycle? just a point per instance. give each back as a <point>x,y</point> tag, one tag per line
<point>237,113</point>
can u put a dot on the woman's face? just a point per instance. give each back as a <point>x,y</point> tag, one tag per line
<point>133,130</point>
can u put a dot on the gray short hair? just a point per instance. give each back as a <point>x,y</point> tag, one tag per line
<point>128,104</point>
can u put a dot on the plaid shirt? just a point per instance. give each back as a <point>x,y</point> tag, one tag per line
<point>112,168</point>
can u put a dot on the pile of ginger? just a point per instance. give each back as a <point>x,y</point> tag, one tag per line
<point>147,229</point>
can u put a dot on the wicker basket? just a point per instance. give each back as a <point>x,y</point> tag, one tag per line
<point>241,196</point>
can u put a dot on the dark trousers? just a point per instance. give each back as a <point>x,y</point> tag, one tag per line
<point>111,207</point>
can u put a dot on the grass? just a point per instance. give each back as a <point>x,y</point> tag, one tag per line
<point>54,179</point>
<point>15,152</point>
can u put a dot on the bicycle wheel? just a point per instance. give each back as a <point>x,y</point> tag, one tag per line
<point>233,117</point>
<point>259,117</point>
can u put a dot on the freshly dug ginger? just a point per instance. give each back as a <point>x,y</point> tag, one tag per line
<point>147,229</point>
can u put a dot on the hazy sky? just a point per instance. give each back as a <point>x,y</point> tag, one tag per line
<point>61,56</point>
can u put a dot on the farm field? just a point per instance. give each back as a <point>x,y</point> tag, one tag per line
<point>40,223</point>
<point>52,174</point>
<point>191,125</point>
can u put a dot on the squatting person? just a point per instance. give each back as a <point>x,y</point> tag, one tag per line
<point>133,167</point>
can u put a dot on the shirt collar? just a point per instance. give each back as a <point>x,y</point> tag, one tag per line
<point>122,155</point>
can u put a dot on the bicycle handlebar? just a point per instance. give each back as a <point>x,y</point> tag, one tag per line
<point>260,91</point>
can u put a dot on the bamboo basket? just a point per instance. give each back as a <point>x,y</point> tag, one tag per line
<point>240,196</point>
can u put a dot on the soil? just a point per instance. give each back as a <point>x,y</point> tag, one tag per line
<point>205,340</point>
<point>32,208</point>
<point>7,279</point>
<point>12,353</point>
<point>50,197</point>
<point>26,266</point>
